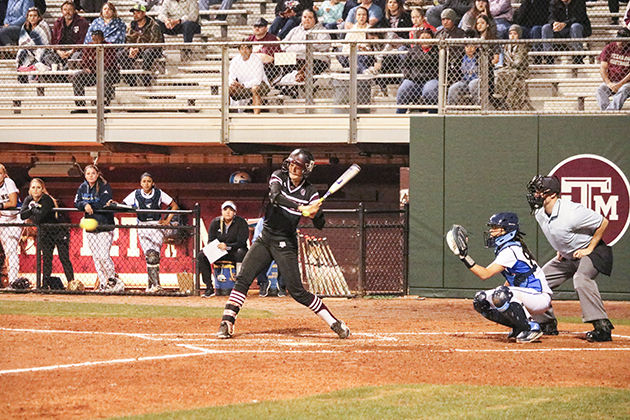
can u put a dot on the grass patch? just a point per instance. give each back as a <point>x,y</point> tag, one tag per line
<point>429,402</point>
<point>578,320</point>
<point>117,310</point>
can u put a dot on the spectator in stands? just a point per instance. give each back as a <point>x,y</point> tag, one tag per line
<point>89,6</point>
<point>375,14</point>
<point>225,5</point>
<point>109,24</point>
<point>69,29</point>
<point>502,13</point>
<point>10,235</point>
<point>450,30</point>
<point>460,7</point>
<point>468,86</point>
<point>357,33</point>
<point>486,31</point>
<point>397,17</point>
<point>247,78</point>
<point>511,78</point>
<point>38,208</point>
<point>299,33</point>
<point>419,22</point>
<point>87,75</point>
<point>180,17</point>
<point>567,19</point>
<point>626,16</point>
<point>288,15</point>
<point>480,7</point>
<point>265,52</point>
<point>232,232</point>
<point>330,13</point>
<point>35,31</point>
<point>142,30</point>
<point>531,16</point>
<point>615,71</point>
<point>420,70</point>
<point>13,21</point>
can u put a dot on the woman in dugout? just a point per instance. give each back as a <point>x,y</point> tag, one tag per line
<point>92,196</point>
<point>149,197</point>
<point>38,208</point>
<point>525,290</point>
<point>290,196</point>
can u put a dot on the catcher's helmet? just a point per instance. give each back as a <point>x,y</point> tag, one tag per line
<point>507,221</point>
<point>542,185</point>
<point>302,158</point>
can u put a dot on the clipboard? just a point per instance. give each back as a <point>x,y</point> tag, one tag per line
<point>212,251</point>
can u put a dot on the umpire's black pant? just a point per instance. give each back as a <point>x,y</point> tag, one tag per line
<point>284,251</point>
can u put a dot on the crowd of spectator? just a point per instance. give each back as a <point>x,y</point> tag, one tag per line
<point>294,21</point>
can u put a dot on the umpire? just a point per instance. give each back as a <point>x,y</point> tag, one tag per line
<point>575,232</point>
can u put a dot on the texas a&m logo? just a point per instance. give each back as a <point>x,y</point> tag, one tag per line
<point>599,184</point>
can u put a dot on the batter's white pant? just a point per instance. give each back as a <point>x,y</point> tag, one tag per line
<point>533,302</point>
<point>150,238</point>
<point>10,238</point>
<point>100,244</point>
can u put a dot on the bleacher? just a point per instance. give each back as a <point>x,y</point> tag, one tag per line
<point>193,83</point>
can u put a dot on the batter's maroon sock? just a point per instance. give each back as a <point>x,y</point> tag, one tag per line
<point>233,306</point>
<point>322,311</point>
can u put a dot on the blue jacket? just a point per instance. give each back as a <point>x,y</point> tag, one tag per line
<point>98,200</point>
<point>16,12</point>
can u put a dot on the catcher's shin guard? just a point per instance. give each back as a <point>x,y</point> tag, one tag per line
<point>153,268</point>
<point>515,314</point>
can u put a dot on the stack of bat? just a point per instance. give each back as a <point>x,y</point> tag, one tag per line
<point>320,269</point>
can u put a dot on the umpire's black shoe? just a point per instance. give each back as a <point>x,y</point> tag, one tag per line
<point>601,332</point>
<point>549,328</point>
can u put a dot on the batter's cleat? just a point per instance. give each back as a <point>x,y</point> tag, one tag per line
<point>226,330</point>
<point>341,329</point>
<point>550,328</point>
<point>601,332</point>
<point>532,335</point>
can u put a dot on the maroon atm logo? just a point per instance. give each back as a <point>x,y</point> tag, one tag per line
<point>599,184</point>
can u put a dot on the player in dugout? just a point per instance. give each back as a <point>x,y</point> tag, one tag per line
<point>525,291</point>
<point>290,195</point>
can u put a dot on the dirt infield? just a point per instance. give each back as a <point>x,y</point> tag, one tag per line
<point>96,367</point>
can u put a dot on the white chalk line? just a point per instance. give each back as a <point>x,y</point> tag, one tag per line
<point>256,340</point>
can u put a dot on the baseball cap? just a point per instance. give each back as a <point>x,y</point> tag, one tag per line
<point>261,22</point>
<point>139,7</point>
<point>228,204</point>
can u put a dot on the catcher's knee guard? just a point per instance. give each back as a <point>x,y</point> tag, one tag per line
<point>480,303</point>
<point>501,298</point>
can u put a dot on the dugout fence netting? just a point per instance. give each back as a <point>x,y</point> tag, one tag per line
<point>359,252</point>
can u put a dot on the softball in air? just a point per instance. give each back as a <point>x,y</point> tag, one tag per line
<point>88,224</point>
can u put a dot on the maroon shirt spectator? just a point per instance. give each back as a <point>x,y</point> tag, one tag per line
<point>69,29</point>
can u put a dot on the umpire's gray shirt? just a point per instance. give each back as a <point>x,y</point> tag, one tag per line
<point>569,227</point>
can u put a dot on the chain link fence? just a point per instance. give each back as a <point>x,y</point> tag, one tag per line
<point>123,258</point>
<point>359,252</point>
<point>374,75</point>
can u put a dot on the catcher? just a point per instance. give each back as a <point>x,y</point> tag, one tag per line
<point>525,291</point>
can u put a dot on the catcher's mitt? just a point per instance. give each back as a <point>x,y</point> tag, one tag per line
<point>457,240</point>
<point>22,283</point>
<point>76,286</point>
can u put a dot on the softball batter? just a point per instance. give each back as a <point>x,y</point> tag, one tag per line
<point>289,195</point>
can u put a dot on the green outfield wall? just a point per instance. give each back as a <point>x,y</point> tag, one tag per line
<point>463,169</point>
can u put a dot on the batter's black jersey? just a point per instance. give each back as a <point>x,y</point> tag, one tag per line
<point>281,219</point>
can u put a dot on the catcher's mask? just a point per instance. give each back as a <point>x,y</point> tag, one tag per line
<point>506,221</point>
<point>302,158</point>
<point>542,185</point>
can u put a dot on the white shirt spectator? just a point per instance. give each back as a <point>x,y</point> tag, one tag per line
<point>185,10</point>
<point>249,73</point>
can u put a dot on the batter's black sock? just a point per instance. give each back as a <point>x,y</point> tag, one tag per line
<point>233,306</point>
<point>322,311</point>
